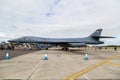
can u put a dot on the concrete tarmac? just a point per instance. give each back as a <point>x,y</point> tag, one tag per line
<point>14,53</point>
<point>65,65</point>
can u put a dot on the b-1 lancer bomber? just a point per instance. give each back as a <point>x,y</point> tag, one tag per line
<point>65,43</point>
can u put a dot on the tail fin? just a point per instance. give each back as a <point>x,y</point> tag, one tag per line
<point>97,35</point>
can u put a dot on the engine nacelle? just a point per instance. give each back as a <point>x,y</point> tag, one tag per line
<point>74,45</point>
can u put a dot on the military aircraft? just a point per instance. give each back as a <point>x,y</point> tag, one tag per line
<point>94,38</point>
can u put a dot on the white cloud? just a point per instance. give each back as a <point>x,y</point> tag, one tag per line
<point>5,36</point>
<point>59,18</point>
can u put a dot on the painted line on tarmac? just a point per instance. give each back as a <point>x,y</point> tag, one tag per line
<point>86,77</point>
<point>84,71</point>
<point>35,69</point>
<point>113,64</point>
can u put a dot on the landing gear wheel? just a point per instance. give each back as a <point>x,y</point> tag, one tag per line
<point>65,49</point>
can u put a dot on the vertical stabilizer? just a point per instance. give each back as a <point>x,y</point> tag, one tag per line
<point>96,35</point>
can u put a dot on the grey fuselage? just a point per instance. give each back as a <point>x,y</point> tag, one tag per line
<point>94,38</point>
<point>68,42</point>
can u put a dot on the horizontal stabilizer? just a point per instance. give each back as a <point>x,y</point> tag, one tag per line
<point>103,37</point>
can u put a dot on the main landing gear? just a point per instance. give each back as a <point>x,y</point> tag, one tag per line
<point>65,48</point>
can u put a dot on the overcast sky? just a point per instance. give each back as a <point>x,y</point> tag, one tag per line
<point>58,18</point>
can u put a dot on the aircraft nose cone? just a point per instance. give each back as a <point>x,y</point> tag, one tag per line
<point>11,40</point>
